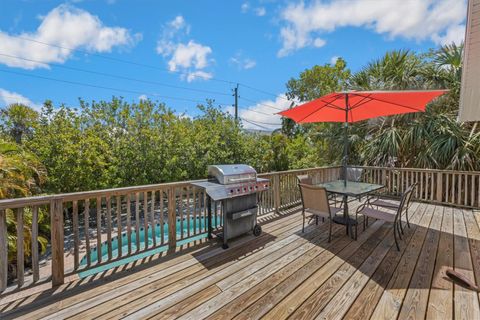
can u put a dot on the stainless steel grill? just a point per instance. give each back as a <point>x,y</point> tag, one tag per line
<point>236,187</point>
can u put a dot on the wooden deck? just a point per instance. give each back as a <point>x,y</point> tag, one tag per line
<point>286,273</point>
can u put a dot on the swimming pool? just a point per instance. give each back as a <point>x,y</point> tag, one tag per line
<point>199,226</point>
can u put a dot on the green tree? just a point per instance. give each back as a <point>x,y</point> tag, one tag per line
<point>318,81</point>
<point>18,120</point>
<point>21,174</point>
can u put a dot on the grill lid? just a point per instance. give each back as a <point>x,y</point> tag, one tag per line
<point>232,173</point>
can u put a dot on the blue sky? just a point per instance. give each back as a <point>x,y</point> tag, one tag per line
<point>202,45</point>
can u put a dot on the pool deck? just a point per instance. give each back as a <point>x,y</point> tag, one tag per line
<point>286,273</point>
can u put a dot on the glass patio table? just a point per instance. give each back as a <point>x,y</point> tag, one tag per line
<point>351,189</point>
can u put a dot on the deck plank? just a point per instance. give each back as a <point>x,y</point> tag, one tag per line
<point>253,261</point>
<point>472,220</point>
<point>232,289</point>
<point>414,305</point>
<point>127,298</point>
<point>313,258</point>
<point>390,303</point>
<point>466,301</point>
<point>286,274</point>
<point>365,303</point>
<point>284,299</point>
<point>440,302</point>
<point>324,305</point>
<point>166,268</point>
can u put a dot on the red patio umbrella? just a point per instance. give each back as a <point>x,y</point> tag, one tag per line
<point>353,106</point>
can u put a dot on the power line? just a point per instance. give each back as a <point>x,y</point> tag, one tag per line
<point>100,87</point>
<point>260,126</point>
<point>265,92</point>
<point>256,111</point>
<point>117,76</point>
<point>146,65</point>
<point>261,122</point>
<point>141,65</point>
<point>260,103</point>
<point>118,59</point>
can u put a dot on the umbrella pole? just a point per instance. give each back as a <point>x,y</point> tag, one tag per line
<point>345,147</point>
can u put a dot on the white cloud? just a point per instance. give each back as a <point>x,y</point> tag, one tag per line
<point>65,26</point>
<point>143,97</point>
<point>9,97</point>
<point>245,7</point>
<point>190,58</point>
<point>195,75</point>
<point>260,11</point>
<point>334,59</point>
<point>441,21</point>
<point>189,55</point>
<point>263,113</point>
<point>241,62</point>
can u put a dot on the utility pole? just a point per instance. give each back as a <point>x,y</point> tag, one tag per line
<point>235,94</point>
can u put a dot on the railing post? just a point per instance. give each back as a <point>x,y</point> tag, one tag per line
<point>172,220</point>
<point>56,220</point>
<point>276,192</point>
<point>3,250</point>
<point>439,186</point>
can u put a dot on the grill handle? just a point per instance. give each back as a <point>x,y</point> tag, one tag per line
<point>239,179</point>
<point>243,214</point>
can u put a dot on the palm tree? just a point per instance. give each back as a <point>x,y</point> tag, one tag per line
<point>433,139</point>
<point>18,120</point>
<point>21,174</point>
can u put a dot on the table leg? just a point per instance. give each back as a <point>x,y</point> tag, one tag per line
<point>345,213</point>
<point>345,219</point>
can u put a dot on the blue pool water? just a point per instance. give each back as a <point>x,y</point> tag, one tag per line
<point>201,224</point>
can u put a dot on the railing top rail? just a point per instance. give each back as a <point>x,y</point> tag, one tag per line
<point>296,171</point>
<point>43,200</point>
<point>418,170</point>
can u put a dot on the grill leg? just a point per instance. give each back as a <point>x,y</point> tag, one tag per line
<point>209,219</point>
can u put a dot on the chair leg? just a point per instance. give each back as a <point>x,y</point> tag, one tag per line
<point>406,214</point>
<point>303,224</point>
<point>401,226</point>
<point>323,219</point>
<point>316,220</point>
<point>330,230</point>
<point>397,225</point>
<point>364,219</point>
<point>395,236</point>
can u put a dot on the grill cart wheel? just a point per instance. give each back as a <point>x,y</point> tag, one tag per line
<point>257,230</point>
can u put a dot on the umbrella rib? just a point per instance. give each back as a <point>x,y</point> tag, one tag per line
<point>361,102</point>
<point>397,104</point>
<point>327,104</point>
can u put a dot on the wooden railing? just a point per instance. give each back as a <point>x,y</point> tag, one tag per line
<point>457,188</point>
<point>94,228</point>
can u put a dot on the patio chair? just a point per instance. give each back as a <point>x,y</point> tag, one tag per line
<point>389,203</point>
<point>354,174</point>
<point>306,179</point>
<point>393,217</point>
<point>315,202</point>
